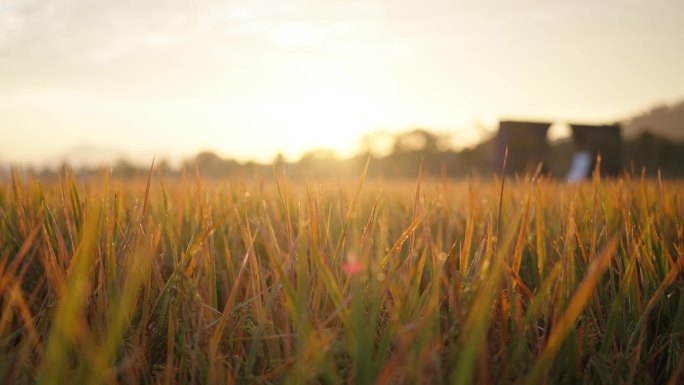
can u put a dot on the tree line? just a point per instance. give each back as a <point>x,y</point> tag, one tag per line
<point>401,155</point>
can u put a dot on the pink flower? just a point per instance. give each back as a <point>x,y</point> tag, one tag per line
<point>353,266</point>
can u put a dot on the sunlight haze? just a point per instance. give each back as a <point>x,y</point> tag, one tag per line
<point>250,79</point>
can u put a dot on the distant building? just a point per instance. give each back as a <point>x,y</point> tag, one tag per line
<point>527,146</point>
<point>606,141</point>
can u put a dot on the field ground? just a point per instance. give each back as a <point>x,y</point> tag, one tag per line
<point>433,282</point>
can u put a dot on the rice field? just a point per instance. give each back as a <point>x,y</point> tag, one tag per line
<point>430,281</point>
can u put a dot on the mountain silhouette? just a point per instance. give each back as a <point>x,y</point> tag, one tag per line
<point>664,121</point>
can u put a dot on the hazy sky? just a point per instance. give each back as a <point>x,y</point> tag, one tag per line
<point>250,78</point>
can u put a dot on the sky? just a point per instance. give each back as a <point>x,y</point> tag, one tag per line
<point>250,79</point>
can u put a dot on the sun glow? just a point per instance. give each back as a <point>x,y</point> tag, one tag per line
<point>322,111</point>
<point>248,80</point>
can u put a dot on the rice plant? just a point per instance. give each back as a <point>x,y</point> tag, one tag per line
<point>156,281</point>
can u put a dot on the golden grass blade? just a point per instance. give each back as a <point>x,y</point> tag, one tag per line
<point>669,279</point>
<point>53,367</point>
<point>416,202</point>
<point>540,236</point>
<point>517,254</point>
<point>147,194</point>
<point>572,312</point>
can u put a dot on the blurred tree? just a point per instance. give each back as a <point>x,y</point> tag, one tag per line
<point>420,141</point>
<point>279,160</point>
<point>211,165</point>
<point>376,144</point>
<point>124,168</point>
